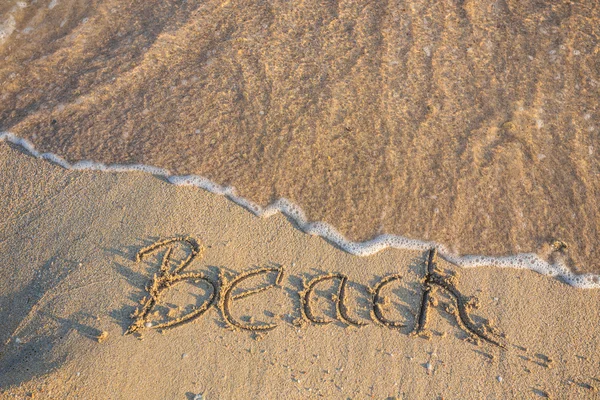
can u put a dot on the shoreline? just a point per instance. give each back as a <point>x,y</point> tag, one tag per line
<point>529,261</point>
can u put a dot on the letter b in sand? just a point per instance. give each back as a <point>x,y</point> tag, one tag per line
<point>166,279</point>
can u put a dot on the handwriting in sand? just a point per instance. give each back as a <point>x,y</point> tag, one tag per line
<point>223,295</point>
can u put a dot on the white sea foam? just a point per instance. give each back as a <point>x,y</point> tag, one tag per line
<point>529,261</point>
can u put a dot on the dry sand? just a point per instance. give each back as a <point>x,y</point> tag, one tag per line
<point>68,273</point>
<point>471,123</point>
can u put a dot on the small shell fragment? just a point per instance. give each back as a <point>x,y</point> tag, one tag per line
<point>102,336</point>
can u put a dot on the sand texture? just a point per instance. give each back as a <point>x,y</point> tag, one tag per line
<point>471,123</point>
<point>70,281</point>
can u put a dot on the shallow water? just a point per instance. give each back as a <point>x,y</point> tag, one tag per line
<point>472,124</point>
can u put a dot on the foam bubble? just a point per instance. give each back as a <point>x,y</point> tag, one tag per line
<point>55,159</point>
<point>137,167</point>
<point>89,165</point>
<point>528,261</point>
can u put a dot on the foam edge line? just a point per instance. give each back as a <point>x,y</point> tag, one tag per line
<point>529,261</point>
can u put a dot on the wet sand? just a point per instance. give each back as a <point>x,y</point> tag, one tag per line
<point>474,124</point>
<point>69,281</point>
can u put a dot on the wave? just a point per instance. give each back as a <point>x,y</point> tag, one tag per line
<point>530,261</point>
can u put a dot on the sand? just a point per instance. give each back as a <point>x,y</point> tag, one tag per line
<point>471,123</point>
<point>69,282</point>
